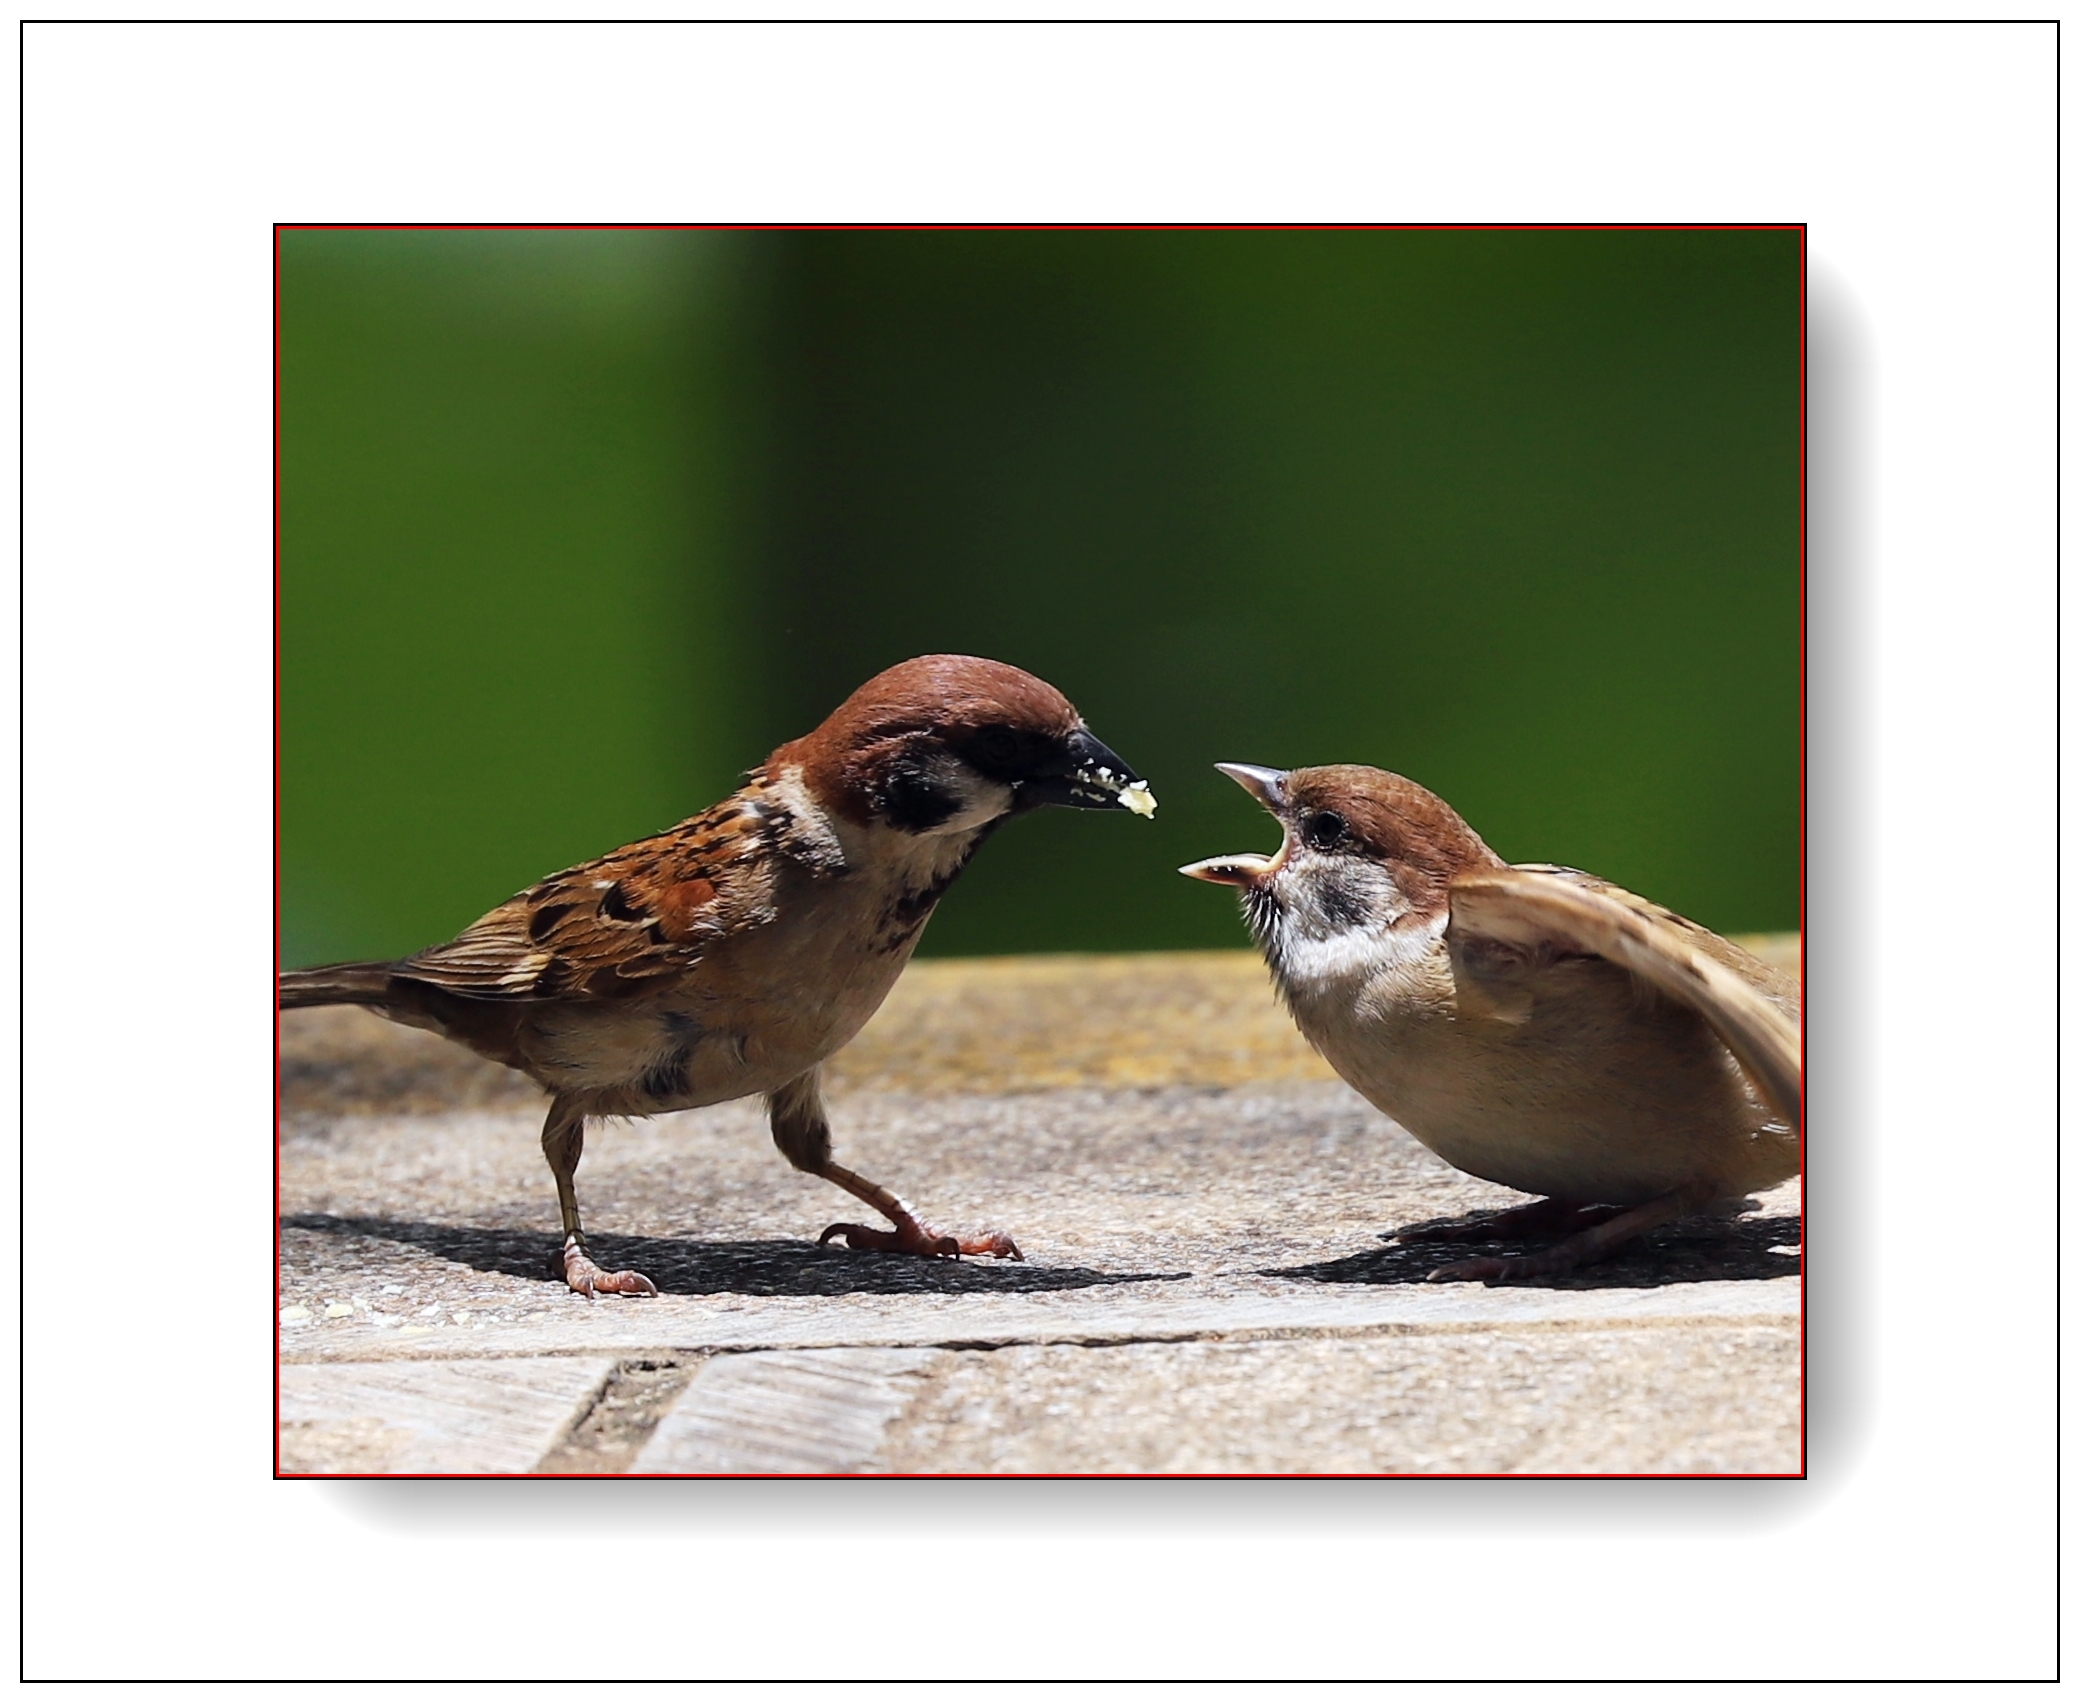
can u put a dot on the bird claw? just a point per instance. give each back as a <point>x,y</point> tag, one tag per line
<point>1610,1226</point>
<point>1490,1271</point>
<point>911,1237</point>
<point>589,1280</point>
<point>1558,1217</point>
<point>1562,1256</point>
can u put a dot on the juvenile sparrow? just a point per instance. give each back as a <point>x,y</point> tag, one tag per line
<point>1530,1024</point>
<point>733,954</point>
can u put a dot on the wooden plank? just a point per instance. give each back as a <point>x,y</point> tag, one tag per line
<point>791,1410</point>
<point>463,1416</point>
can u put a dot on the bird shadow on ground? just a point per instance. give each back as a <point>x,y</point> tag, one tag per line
<point>1708,1251</point>
<point>724,1268</point>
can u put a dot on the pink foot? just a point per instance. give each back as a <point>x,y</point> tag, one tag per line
<point>588,1280</point>
<point>1610,1228</point>
<point>1490,1271</point>
<point>910,1236</point>
<point>1539,1217</point>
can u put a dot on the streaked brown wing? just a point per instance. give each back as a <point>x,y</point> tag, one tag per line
<point>612,926</point>
<point>1752,1008</point>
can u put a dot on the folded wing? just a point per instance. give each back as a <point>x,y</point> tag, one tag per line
<point>611,927</point>
<point>1542,911</point>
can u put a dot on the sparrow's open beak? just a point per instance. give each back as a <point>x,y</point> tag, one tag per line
<point>1246,869</point>
<point>1266,786</point>
<point>1088,775</point>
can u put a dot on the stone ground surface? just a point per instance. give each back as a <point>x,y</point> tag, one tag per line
<point>1206,1286</point>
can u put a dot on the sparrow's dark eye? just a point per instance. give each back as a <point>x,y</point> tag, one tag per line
<point>1322,829</point>
<point>1000,745</point>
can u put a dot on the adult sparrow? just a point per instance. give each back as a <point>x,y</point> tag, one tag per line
<point>1533,1025</point>
<point>734,953</point>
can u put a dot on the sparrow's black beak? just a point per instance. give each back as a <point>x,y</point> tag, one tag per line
<point>1088,774</point>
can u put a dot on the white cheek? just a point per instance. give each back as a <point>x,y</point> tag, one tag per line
<point>982,801</point>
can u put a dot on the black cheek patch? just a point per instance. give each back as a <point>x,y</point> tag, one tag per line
<point>911,802</point>
<point>1344,903</point>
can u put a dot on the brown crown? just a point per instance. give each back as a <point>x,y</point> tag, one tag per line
<point>942,694</point>
<point>1407,826</point>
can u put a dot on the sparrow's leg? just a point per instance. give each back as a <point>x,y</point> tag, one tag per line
<point>803,1133</point>
<point>1536,1218</point>
<point>1586,1248</point>
<point>563,1144</point>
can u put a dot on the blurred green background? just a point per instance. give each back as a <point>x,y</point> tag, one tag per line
<point>575,526</point>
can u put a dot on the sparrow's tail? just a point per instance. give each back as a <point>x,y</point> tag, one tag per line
<point>336,984</point>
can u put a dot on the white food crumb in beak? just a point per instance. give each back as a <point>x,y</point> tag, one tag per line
<point>1138,799</point>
